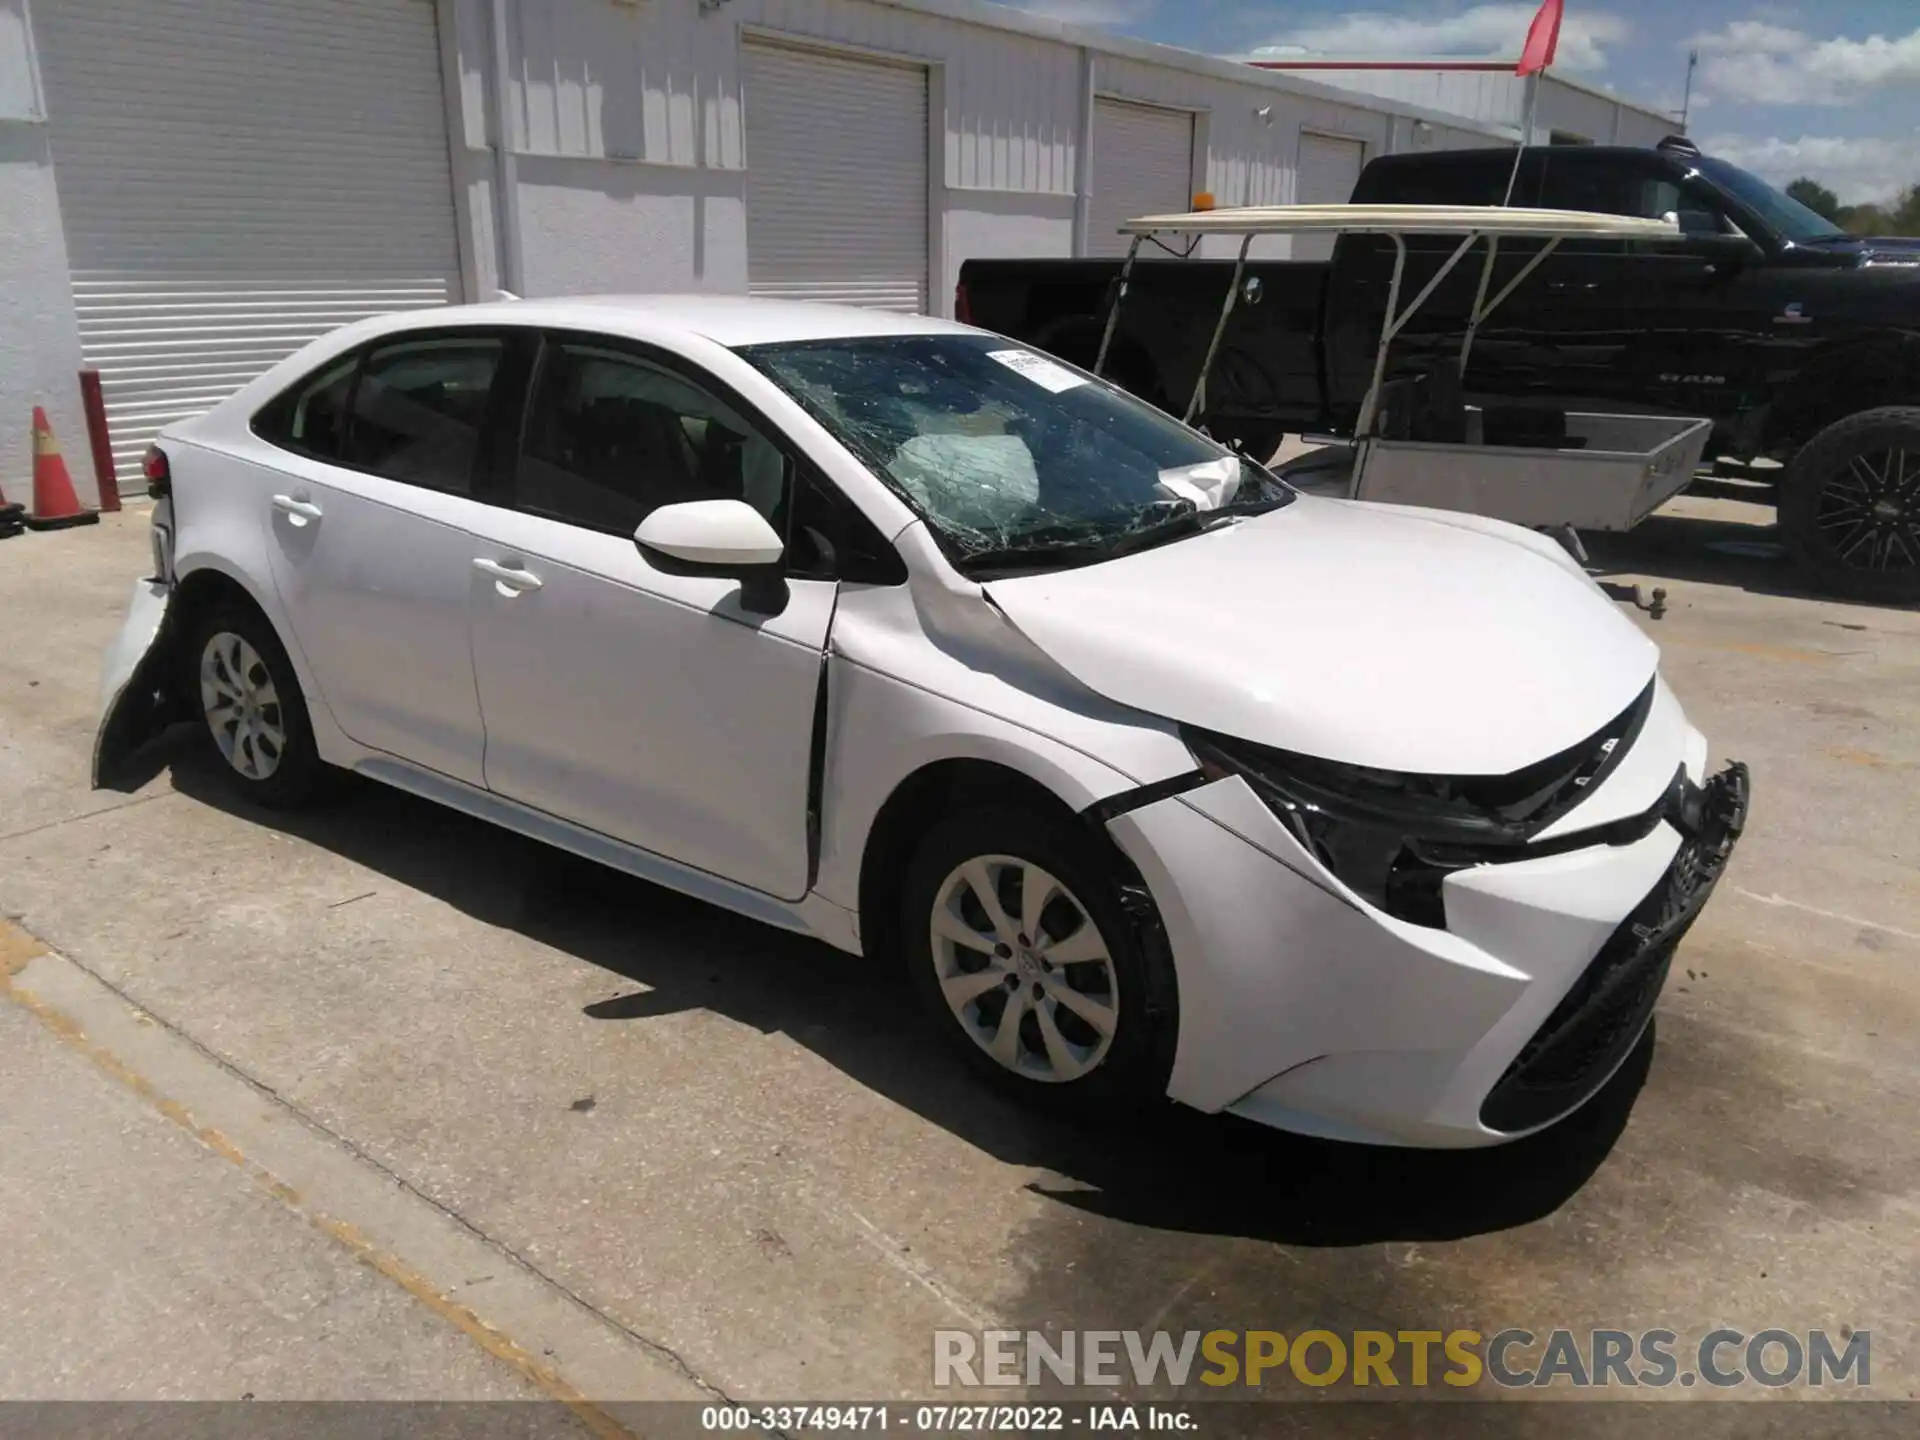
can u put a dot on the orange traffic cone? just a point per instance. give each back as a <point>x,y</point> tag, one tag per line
<point>11,518</point>
<point>55,506</point>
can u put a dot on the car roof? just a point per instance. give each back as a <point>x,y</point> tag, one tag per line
<point>729,320</point>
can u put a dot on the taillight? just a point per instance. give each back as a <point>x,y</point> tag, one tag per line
<point>159,475</point>
<point>962,311</point>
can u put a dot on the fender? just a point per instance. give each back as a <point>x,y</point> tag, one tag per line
<point>1857,372</point>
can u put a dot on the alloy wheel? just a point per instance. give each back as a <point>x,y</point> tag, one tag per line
<point>1869,513</point>
<point>1024,968</point>
<point>242,706</point>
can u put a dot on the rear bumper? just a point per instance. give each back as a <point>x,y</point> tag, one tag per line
<point>1304,1008</point>
<point>133,702</point>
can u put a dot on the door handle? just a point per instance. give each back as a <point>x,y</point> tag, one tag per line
<point>298,511</point>
<point>507,579</point>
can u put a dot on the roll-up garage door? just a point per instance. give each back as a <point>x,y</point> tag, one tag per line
<point>237,177</point>
<point>1142,165</point>
<point>1329,169</point>
<point>836,177</point>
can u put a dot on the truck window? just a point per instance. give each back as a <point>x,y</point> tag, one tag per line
<point>1606,185</point>
<point>1479,179</point>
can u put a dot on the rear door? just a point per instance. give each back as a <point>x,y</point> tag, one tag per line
<point>642,703</point>
<point>369,540</point>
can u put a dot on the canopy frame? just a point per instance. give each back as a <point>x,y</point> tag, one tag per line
<point>1472,224</point>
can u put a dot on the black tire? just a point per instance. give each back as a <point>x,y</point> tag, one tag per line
<point>1132,1070</point>
<point>1257,442</point>
<point>289,771</point>
<point>1850,506</point>
<point>1077,341</point>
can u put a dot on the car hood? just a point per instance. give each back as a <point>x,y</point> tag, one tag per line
<point>1350,632</point>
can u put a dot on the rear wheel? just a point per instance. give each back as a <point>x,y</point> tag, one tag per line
<point>250,703</point>
<point>1850,506</point>
<point>1022,955</point>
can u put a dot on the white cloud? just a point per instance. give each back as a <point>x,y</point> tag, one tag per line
<point>1769,64</point>
<point>1086,12</point>
<point>1497,31</point>
<point>1855,168</point>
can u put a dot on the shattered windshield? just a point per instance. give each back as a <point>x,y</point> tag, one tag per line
<point>1013,458</point>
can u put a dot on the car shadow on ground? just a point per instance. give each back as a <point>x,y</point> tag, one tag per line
<point>1702,549</point>
<point>1168,1167</point>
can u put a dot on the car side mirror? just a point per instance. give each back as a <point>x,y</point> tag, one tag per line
<point>719,537</point>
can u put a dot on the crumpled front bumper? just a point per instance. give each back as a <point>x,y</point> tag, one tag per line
<point>1305,1008</point>
<point>1594,1027</point>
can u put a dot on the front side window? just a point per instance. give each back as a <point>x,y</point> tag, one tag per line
<point>611,437</point>
<point>1008,453</point>
<point>418,408</point>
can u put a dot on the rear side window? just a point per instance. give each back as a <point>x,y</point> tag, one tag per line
<point>311,417</point>
<point>1438,180</point>
<point>418,408</point>
<point>1606,186</point>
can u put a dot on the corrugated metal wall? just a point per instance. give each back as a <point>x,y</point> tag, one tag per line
<point>625,122</point>
<point>237,177</point>
<point>1499,98</point>
<point>623,90</point>
<point>660,83</point>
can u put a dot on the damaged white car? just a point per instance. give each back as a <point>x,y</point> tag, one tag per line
<point>1159,778</point>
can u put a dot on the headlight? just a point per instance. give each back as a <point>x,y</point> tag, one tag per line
<point>1393,837</point>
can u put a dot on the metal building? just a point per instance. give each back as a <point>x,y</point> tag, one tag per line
<point>191,189</point>
<point>1569,112</point>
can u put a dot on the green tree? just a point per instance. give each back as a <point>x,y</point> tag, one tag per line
<point>1906,212</point>
<point>1816,197</point>
<point>1866,219</point>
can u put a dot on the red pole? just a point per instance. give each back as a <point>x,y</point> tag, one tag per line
<point>96,407</point>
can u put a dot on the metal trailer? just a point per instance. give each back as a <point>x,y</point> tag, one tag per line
<point>1611,472</point>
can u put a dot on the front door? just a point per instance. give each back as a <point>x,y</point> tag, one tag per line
<point>647,705</point>
<point>368,507</point>
<point>1662,324</point>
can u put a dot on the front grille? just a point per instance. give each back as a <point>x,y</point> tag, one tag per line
<point>1597,1022</point>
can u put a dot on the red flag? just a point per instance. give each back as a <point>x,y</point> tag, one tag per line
<point>1543,37</point>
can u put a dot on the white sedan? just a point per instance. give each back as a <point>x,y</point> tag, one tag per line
<point>1158,777</point>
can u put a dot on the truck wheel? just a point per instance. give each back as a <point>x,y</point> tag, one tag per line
<point>1259,443</point>
<point>1850,506</point>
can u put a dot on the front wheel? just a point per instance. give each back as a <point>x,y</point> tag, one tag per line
<point>1850,506</point>
<point>1023,956</point>
<point>250,703</point>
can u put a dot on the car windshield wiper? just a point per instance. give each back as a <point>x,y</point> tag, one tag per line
<point>1188,522</point>
<point>1110,545</point>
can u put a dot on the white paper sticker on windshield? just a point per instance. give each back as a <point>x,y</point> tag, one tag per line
<point>1037,368</point>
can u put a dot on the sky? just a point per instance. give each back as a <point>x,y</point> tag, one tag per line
<point>1784,87</point>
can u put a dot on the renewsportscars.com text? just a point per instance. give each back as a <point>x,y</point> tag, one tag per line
<point>1510,1358</point>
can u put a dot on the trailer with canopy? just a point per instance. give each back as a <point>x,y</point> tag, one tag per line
<point>1416,440</point>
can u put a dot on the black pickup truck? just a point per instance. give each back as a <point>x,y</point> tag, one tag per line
<point>1800,343</point>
